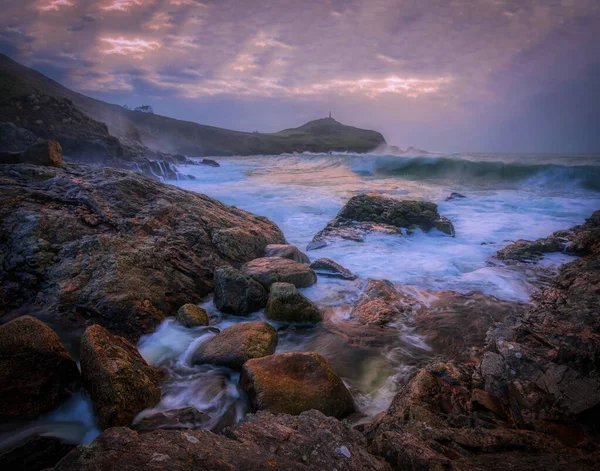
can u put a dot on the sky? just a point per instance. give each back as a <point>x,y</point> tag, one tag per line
<point>443,75</point>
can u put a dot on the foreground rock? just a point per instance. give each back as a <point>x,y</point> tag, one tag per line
<point>236,293</point>
<point>190,315</point>
<point>580,240</point>
<point>287,304</point>
<point>269,270</point>
<point>263,441</point>
<point>291,383</point>
<point>291,252</point>
<point>235,345</point>
<point>120,382</point>
<point>37,452</point>
<point>329,268</point>
<point>45,153</point>
<point>381,304</point>
<point>363,214</point>
<point>114,247</point>
<point>174,419</point>
<point>528,400</point>
<point>36,371</point>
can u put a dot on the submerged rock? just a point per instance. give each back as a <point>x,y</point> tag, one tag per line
<point>114,247</point>
<point>329,268</point>
<point>235,345</point>
<point>291,252</point>
<point>287,304</point>
<point>381,304</point>
<point>190,315</point>
<point>120,382</point>
<point>455,196</point>
<point>262,441</point>
<point>363,214</point>
<point>269,270</point>
<point>291,383</point>
<point>210,162</point>
<point>236,293</point>
<point>36,371</point>
<point>174,419</point>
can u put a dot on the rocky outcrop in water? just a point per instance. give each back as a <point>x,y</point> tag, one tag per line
<point>329,268</point>
<point>190,315</point>
<point>114,247</point>
<point>235,345</point>
<point>290,252</point>
<point>269,270</point>
<point>364,214</point>
<point>287,304</point>
<point>36,371</point>
<point>381,304</point>
<point>119,381</point>
<point>291,383</point>
<point>580,240</point>
<point>310,441</point>
<point>236,293</point>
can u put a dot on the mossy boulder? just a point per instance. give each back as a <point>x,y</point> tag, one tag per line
<point>37,372</point>
<point>190,315</point>
<point>236,293</point>
<point>291,383</point>
<point>120,382</point>
<point>235,345</point>
<point>287,304</point>
<point>269,270</point>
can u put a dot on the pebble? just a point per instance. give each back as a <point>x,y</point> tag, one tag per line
<point>343,451</point>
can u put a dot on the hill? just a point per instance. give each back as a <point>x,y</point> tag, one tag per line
<point>91,129</point>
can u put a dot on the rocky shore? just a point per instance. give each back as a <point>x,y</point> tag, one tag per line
<point>111,254</point>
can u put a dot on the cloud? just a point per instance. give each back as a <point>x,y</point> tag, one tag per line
<point>55,5</point>
<point>135,47</point>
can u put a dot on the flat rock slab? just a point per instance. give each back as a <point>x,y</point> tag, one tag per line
<point>308,442</point>
<point>107,246</point>
<point>235,345</point>
<point>37,373</point>
<point>269,270</point>
<point>291,383</point>
<point>120,382</point>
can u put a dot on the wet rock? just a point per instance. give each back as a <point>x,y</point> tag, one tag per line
<point>190,315</point>
<point>367,213</point>
<point>329,268</point>
<point>290,252</point>
<point>120,382</point>
<point>291,383</point>
<point>210,162</point>
<point>269,270</point>
<point>287,304</point>
<point>99,245</point>
<point>235,345</point>
<point>236,293</point>
<point>174,419</point>
<point>579,240</point>
<point>36,371</point>
<point>381,304</point>
<point>455,196</point>
<point>36,453</point>
<point>263,441</point>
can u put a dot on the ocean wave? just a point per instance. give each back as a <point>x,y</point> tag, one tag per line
<point>473,171</point>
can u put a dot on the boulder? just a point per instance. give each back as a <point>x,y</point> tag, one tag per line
<point>455,196</point>
<point>36,371</point>
<point>210,162</point>
<point>113,247</point>
<point>269,270</point>
<point>291,383</point>
<point>363,214</point>
<point>118,379</point>
<point>236,293</point>
<point>291,252</point>
<point>329,268</point>
<point>44,153</point>
<point>287,304</point>
<point>190,315</point>
<point>235,345</point>
<point>381,304</point>
<point>310,441</point>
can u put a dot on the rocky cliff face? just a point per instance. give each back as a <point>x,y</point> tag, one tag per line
<point>115,247</point>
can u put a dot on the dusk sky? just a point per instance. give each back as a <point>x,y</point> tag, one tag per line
<point>447,75</point>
